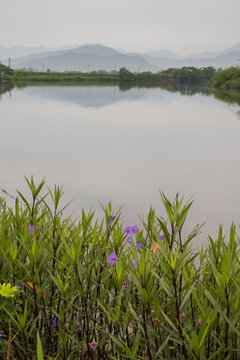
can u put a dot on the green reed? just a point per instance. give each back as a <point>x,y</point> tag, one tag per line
<point>92,290</point>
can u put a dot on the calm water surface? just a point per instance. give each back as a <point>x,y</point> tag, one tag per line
<point>105,144</point>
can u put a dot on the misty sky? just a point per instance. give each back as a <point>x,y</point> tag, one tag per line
<point>183,26</point>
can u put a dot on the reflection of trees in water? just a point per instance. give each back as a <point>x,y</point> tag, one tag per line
<point>192,90</point>
<point>5,88</point>
<point>231,97</point>
<point>183,89</point>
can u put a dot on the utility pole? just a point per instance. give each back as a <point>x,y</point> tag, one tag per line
<point>9,62</point>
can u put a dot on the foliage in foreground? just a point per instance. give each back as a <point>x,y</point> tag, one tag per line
<point>92,290</point>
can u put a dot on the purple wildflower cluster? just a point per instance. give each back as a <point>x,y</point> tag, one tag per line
<point>131,229</point>
<point>112,258</point>
<point>31,229</point>
<point>161,237</point>
<point>2,206</point>
<point>138,246</point>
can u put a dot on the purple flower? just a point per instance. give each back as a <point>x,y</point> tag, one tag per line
<point>112,258</point>
<point>162,237</point>
<point>225,249</point>
<point>56,322</point>
<point>20,285</point>
<point>196,282</point>
<point>111,219</point>
<point>128,240</point>
<point>128,229</point>
<point>138,246</point>
<point>134,262</point>
<point>38,226</point>
<point>93,346</point>
<point>1,335</point>
<point>131,229</point>
<point>134,229</point>
<point>125,286</point>
<point>2,206</point>
<point>31,229</point>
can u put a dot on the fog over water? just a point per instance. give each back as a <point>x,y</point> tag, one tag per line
<point>102,144</point>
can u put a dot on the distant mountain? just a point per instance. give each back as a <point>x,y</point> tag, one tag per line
<point>96,49</point>
<point>163,53</point>
<point>213,54</point>
<point>88,62</point>
<point>97,57</point>
<point>20,51</point>
<point>221,61</point>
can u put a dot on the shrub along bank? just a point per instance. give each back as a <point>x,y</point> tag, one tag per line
<point>228,79</point>
<point>96,290</point>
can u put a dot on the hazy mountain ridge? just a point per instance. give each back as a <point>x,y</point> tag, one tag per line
<point>88,62</point>
<point>23,51</point>
<point>97,57</point>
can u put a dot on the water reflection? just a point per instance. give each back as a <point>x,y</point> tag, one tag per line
<point>230,97</point>
<point>105,143</point>
<point>102,95</point>
<point>4,88</point>
<point>97,96</point>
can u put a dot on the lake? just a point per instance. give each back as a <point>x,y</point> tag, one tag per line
<point>103,143</point>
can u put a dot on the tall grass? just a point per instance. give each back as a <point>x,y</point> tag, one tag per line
<point>93,290</point>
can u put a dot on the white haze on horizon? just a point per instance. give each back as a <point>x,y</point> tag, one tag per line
<point>182,26</point>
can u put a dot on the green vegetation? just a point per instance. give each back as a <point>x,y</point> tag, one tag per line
<point>5,74</point>
<point>228,79</point>
<point>21,76</point>
<point>6,70</point>
<point>191,75</point>
<point>225,85</point>
<point>91,289</point>
<point>186,75</point>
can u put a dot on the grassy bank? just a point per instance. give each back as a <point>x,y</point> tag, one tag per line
<point>44,77</point>
<point>90,78</point>
<point>96,290</point>
<point>186,75</point>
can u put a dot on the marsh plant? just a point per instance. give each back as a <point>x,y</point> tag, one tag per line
<point>96,290</point>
